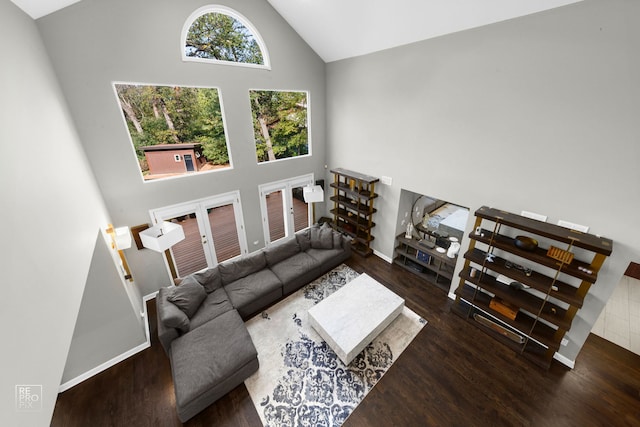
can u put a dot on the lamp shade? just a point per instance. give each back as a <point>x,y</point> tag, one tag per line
<point>122,238</point>
<point>313,194</point>
<point>161,237</point>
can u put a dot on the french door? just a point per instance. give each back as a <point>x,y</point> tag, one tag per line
<point>283,208</point>
<point>213,228</point>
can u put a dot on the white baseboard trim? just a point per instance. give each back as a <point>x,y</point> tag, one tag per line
<point>106,365</point>
<point>145,316</point>
<point>565,360</point>
<point>383,256</point>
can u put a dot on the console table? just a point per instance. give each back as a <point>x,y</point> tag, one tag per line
<point>426,262</point>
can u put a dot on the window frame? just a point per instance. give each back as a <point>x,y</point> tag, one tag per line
<point>286,185</point>
<point>309,138</point>
<point>217,8</point>
<point>133,148</point>
<point>199,207</point>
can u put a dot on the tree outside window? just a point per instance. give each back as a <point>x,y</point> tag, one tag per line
<point>177,130</point>
<point>220,36</point>
<point>280,124</point>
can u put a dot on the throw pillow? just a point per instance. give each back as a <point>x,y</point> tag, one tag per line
<point>281,250</point>
<point>231,271</point>
<point>304,239</point>
<point>173,317</point>
<point>209,279</point>
<point>322,237</point>
<point>188,296</point>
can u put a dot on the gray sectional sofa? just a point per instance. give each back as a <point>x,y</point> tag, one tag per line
<point>201,321</point>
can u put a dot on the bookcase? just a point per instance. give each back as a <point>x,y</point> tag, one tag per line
<point>522,292</point>
<point>353,197</point>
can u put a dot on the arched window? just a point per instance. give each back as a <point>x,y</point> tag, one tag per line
<point>221,35</point>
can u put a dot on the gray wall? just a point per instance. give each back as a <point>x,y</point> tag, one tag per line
<point>538,113</point>
<point>51,212</point>
<point>94,43</point>
<point>106,326</point>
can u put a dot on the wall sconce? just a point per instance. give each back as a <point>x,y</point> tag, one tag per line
<point>121,239</point>
<point>162,236</point>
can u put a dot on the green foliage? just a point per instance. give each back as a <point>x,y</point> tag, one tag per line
<point>285,114</point>
<point>170,115</point>
<point>219,36</point>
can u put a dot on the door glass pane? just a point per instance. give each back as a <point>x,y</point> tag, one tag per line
<point>188,254</point>
<point>224,230</point>
<point>300,210</point>
<point>275,215</point>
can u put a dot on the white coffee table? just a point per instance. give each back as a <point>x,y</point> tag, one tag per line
<point>350,318</point>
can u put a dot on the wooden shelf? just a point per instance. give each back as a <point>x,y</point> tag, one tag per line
<point>540,282</point>
<point>437,263</point>
<point>360,236</point>
<point>523,323</point>
<point>346,189</point>
<point>522,299</point>
<point>350,217</point>
<point>349,204</point>
<point>586,241</point>
<point>353,196</point>
<point>539,255</point>
<point>548,302</point>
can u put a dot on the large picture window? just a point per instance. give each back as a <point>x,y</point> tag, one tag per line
<point>175,130</point>
<point>280,124</point>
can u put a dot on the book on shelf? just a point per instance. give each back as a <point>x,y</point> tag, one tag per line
<point>423,256</point>
<point>506,309</point>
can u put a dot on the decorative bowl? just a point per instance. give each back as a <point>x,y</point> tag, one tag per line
<point>526,243</point>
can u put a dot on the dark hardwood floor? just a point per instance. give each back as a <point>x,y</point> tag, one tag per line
<point>452,374</point>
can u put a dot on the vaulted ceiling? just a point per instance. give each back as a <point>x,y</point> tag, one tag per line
<point>339,29</point>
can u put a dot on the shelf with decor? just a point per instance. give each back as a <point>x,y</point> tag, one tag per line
<point>523,292</point>
<point>424,260</point>
<point>353,197</point>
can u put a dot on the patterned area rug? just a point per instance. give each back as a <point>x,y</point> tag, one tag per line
<point>301,381</point>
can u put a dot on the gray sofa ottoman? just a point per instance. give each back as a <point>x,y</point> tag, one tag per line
<point>210,361</point>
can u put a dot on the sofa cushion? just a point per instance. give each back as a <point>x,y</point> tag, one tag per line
<point>281,250</point>
<point>188,296</point>
<point>296,271</point>
<point>170,315</point>
<point>324,255</point>
<point>304,239</point>
<point>215,304</point>
<point>231,271</point>
<point>209,279</point>
<point>322,237</point>
<point>254,291</point>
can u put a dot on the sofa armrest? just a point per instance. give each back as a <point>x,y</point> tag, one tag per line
<point>346,245</point>
<point>165,334</point>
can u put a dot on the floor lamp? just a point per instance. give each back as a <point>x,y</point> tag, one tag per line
<point>313,194</point>
<point>161,237</point>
